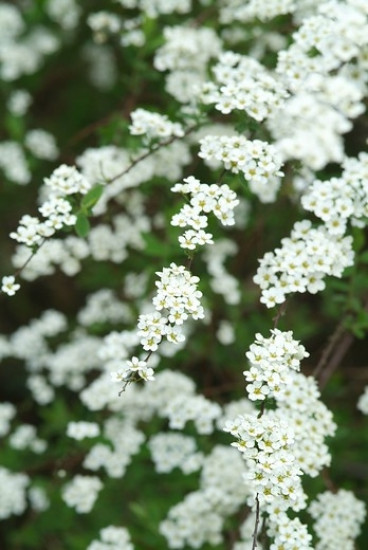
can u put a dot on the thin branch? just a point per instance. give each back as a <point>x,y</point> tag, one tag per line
<point>151,152</point>
<point>336,358</point>
<point>256,525</point>
<point>22,267</point>
<point>279,314</point>
<point>336,335</point>
<point>338,346</point>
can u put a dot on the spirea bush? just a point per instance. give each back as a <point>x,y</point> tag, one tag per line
<point>184,275</point>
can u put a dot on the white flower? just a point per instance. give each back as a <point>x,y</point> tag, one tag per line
<point>9,286</point>
<point>80,430</point>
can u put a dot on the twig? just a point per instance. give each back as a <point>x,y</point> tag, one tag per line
<point>336,335</point>
<point>256,525</point>
<point>328,481</point>
<point>279,314</point>
<point>340,352</point>
<point>151,152</point>
<point>22,267</point>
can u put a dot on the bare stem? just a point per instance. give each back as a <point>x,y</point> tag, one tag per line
<point>151,152</point>
<point>336,335</point>
<point>279,314</point>
<point>256,525</point>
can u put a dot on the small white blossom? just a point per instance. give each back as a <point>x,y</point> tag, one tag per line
<point>9,286</point>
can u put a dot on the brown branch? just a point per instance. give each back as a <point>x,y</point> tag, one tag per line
<point>151,152</point>
<point>342,348</point>
<point>336,335</point>
<point>341,340</point>
<point>256,525</point>
<point>328,481</point>
<point>279,314</point>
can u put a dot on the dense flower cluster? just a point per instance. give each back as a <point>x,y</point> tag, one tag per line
<point>288,534</point>
<point>173,450</point>
<point>243,84</point>
<point>258,161</point>
<point>339,200</point>
<point>299,403</point>
<point>281,444</point>
<point>13,162</point>
<point>112,538</point>
<point>270,362</point>
<point>218,199</point>
<point>82,429</point>
<point>185,55</point>
<point>81,493</point>
<point>302,262</point>
<point>64,181</point>
<point>178,299</point>
<point>337,519</point>
<point>200,517</point>
<point>153,125</point>
<point>235,10</point>
<point>13,493</point>
<point>272,470</point>
<point>22,53</point>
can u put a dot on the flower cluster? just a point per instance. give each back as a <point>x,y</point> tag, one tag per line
<point>103,24</point>
<point>82,429</point>
<point>153,125</point>
<point>338,519</point>
<point>22,53</point>
<point>81,493</point>
<point>196,408</point>
<point>200,517</point>
<point>270,362</point>
<point>13,162</point>
<point>257,160</point>
<point>266,444</point>
<point>243,84</point>
<point>67,180</point>
<point>299,403</point>
<point>31,231</point>
<point>339,200</point>
<point>179,299</point>
<point>236,10</point>
<point>41,144</point>
<point>64,181</point>
<point>288,534</point>
<point>112,538</point>
<point>7,413</point>
<point>65,12</point>
<point>218,199</point>
<point>25,437</point>
<point>173,450</point>
<point>302,262</point>
<point>153,8</point>
<point>18,102</point>
<point>124,442</point>
<point>186,54</point>
<point>13,493</point>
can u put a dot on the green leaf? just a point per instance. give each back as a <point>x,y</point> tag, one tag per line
<point>364,257</point>
<point>92,197</point>
<point>155,247</point>
<point>82,225</point>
